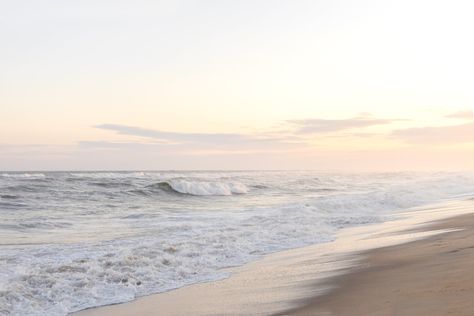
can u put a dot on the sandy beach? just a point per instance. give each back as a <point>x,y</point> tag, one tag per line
<point>427,277</point>
<point>418,265</point>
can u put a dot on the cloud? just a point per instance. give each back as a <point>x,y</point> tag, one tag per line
<point>295,134</point>
<point>454,134</point>
<point>200,140</point>
<point>172,136</point>
<point>316,126</point>
<point>468,114</point>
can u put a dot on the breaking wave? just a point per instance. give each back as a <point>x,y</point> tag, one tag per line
<point>203,188</point>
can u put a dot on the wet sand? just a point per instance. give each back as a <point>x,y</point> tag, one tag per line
<point>433,276</point>
<point>417,265</point>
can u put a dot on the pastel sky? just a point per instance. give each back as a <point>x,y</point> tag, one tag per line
<point>250,84</point>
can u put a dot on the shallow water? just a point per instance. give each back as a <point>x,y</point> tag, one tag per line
<point>74,240</point>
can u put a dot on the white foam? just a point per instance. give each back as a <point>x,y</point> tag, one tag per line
<point>207,188</point>
<point>23,175</point>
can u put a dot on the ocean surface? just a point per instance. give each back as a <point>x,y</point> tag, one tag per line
<point>74,240</point>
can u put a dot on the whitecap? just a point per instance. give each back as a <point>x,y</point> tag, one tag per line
<point>207,188</point>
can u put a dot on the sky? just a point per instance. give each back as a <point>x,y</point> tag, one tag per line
<point>334,85</point>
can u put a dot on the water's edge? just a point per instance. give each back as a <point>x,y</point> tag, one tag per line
<point>304,267</point>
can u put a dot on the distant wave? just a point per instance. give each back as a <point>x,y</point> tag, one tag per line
<point>259,186</point>
<point>8,196</point>
<point>107,175</point>
<point>23,175</point>
<point>203,188</point>
<point>110,184</point>
<point>22,188</point>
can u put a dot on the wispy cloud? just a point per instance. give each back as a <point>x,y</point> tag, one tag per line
<point>468,114</point>
<point>454,134</point>
<point>316,126</point>
<point>173,136</point>
<point>202,140</point>
<point>295,133</point>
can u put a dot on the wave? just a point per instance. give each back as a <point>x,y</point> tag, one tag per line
<point>200,188</point>
<point>109,184</point>
<point>12,205</point>
<point>22,188</point>
<point>23,175</point>
<point>108,175</point>
<point>260,186</point>
<point>9,196</point>
<point>139,192</point>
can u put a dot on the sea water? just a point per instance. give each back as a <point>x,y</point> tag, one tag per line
<point>74,240</point>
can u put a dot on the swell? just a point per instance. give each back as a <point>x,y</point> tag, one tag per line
<point>201,188</point>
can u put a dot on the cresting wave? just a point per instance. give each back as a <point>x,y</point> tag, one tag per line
<point>203,188</point>
<point>178,185</point>
<point>54,262</point>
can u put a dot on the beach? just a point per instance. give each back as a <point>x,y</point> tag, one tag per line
<point>427,277</point>
<point>416,265</point>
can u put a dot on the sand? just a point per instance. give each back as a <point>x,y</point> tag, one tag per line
<point>432,277</point>
<point>418,265</point>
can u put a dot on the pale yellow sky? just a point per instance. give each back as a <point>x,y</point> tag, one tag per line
<point>339,85</point>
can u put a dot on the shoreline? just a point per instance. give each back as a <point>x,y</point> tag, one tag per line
<point>293,281</point>
<point>423,277</point>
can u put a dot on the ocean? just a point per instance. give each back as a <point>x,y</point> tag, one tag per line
<point>75,240</point>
